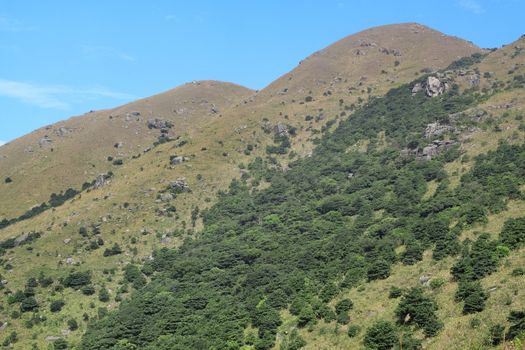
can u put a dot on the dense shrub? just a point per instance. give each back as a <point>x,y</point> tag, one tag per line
<point>415,308</point>
<point>56,305</point>
<point>382,335</point>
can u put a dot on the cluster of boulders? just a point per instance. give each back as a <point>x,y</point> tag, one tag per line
<point>101,181</point>
<point>180,185</point>
<point>437,129</point>
<point>280,130</point>
<point>158,124</point>
<point>433,86</point>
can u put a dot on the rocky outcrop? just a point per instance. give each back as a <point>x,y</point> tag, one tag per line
<point>435,148</point>
<point>435,87</point>
<point>175,160</point>
<point>45,141</point>
<point>280,130</point>
<point>101,181</point>
<point>180,185</point>
<point>159,124</point>
<point>417,88</point>
<point>63,131</point>
<point>436,129</point>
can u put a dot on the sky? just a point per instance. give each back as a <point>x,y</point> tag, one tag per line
<point>63,58</point>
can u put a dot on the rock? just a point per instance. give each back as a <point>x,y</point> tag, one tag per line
<point>425,280</point>
<point>492,289</point>
<point>174,160</point>
<point>134,113</point>
<point>180,185</point>
<point>435,148</point>
<point>280,130</point>
<point>165,239</point>
<point>67,240</point>
<point>473,79</point>
<point>4,282</point>
<point>436,129</point>
<point>52,338</point>
<point>21,239</point>
<point>166,197</point>
<point>159,124</point>
<point>118,145</point>
<point>45,141</point>
<point>70,261</point>
<point>417,88</point>
<point>62,131</point>
<point>65,332</point>
<point>435,87</point>
<point>101,181</point>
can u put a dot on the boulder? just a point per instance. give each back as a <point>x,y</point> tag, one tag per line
<point>417,88</point>
<point>166,197</point>
<point>158,124</point>
<point>67,240</point>
<point>436,129</point>
<point>435,148</point>
<point>180,185</point>
<point>425,280</point>
<point>280,130</point>
<point>62,131</point>
<point>45,141</point>
<point>174,160</point>
<point>435,87</point>
<point>101,181</point>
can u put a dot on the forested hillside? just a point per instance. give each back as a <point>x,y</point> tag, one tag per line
<point>287,245</point>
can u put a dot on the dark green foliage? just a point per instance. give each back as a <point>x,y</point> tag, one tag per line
<point>473,295</point>
<point>478,261</point>
<point>382,335</point>
<point>353,330</point>
<point>28,304</point>
<point>379,269</point>
<point>76,280</point>
<point>103,295</point>
<point>114,250</point>
<point>72,324</point>
<point>415,308</point>
<point>412,254</point>
<point>517,324</point>
<point>466,62</point>
<point>314,231</point>
<point>60,344</point>
<point>8,180</point>
<point>133,275</point>
<point>395,292</point>
<point>56,305</point>
<point>88,290</point>
<point>496,334</point>
<point>513,233</point>
<point>343,306</point>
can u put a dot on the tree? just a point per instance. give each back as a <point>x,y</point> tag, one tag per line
<point>382,335</point>
<point>56,305</point>
<point>418,309</point>
<point>28,304</point>
<point>103,295</point>
<point>473,295</point>
<point>378,269</point>
<point>513,233</point>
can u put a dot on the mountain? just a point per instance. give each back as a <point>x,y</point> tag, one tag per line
<point>333,207</point>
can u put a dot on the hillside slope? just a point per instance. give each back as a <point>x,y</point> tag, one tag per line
<point>131,211</point>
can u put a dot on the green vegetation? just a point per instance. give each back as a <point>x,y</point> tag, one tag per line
<point>313,233</point>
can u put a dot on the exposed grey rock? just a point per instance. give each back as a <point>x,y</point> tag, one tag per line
<point>165,239</point>
<point>45,141</point>
<point>101,181</point>
<point>473,79</point>
<point>280,130</point>
<point>21,239</point>
<point>52,338</point>
<point>436,129</point>
<point>178,160</point>
<point>180,185</point>
<point>435,87</point>
<point>70,261</point>
<point>67,240</point>
<point>63,131</point>
<point>425,280</point>
<point>166,197</point>
<point>159,124</point>
<point>417,88</point>
<point>435,148</point>
<point>118,145</point>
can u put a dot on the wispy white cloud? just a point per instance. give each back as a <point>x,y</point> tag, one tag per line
<point>54,96</point>
<point>171,18</point>
<point>105,52</point>
<point>2,143</point>
<point>8,24</point>
<point>472,6</point>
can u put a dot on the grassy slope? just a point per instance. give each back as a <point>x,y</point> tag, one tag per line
<point>242,125</point>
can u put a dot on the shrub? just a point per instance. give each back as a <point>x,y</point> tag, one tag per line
<point>353,330</point>
<point>379,269</point>
<point>513,233</point>
<point>518,272</point>
<point>60,344</point>
<point>436,283</point>
<point>88,290</point>
<point>473,295</point>
<point>77,279</point>
<point>343,306</point>
<point>395,292</point>
<point>382,335</point>
<point>56,305</point>
<point>114,250</point>
<point>103,295</point>
<point>28,304</point>
<point>72,324</point>
<point>417,309</point>
<point>496,334</point>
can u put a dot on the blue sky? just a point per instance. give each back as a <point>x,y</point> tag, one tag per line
<point>64,58</point>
